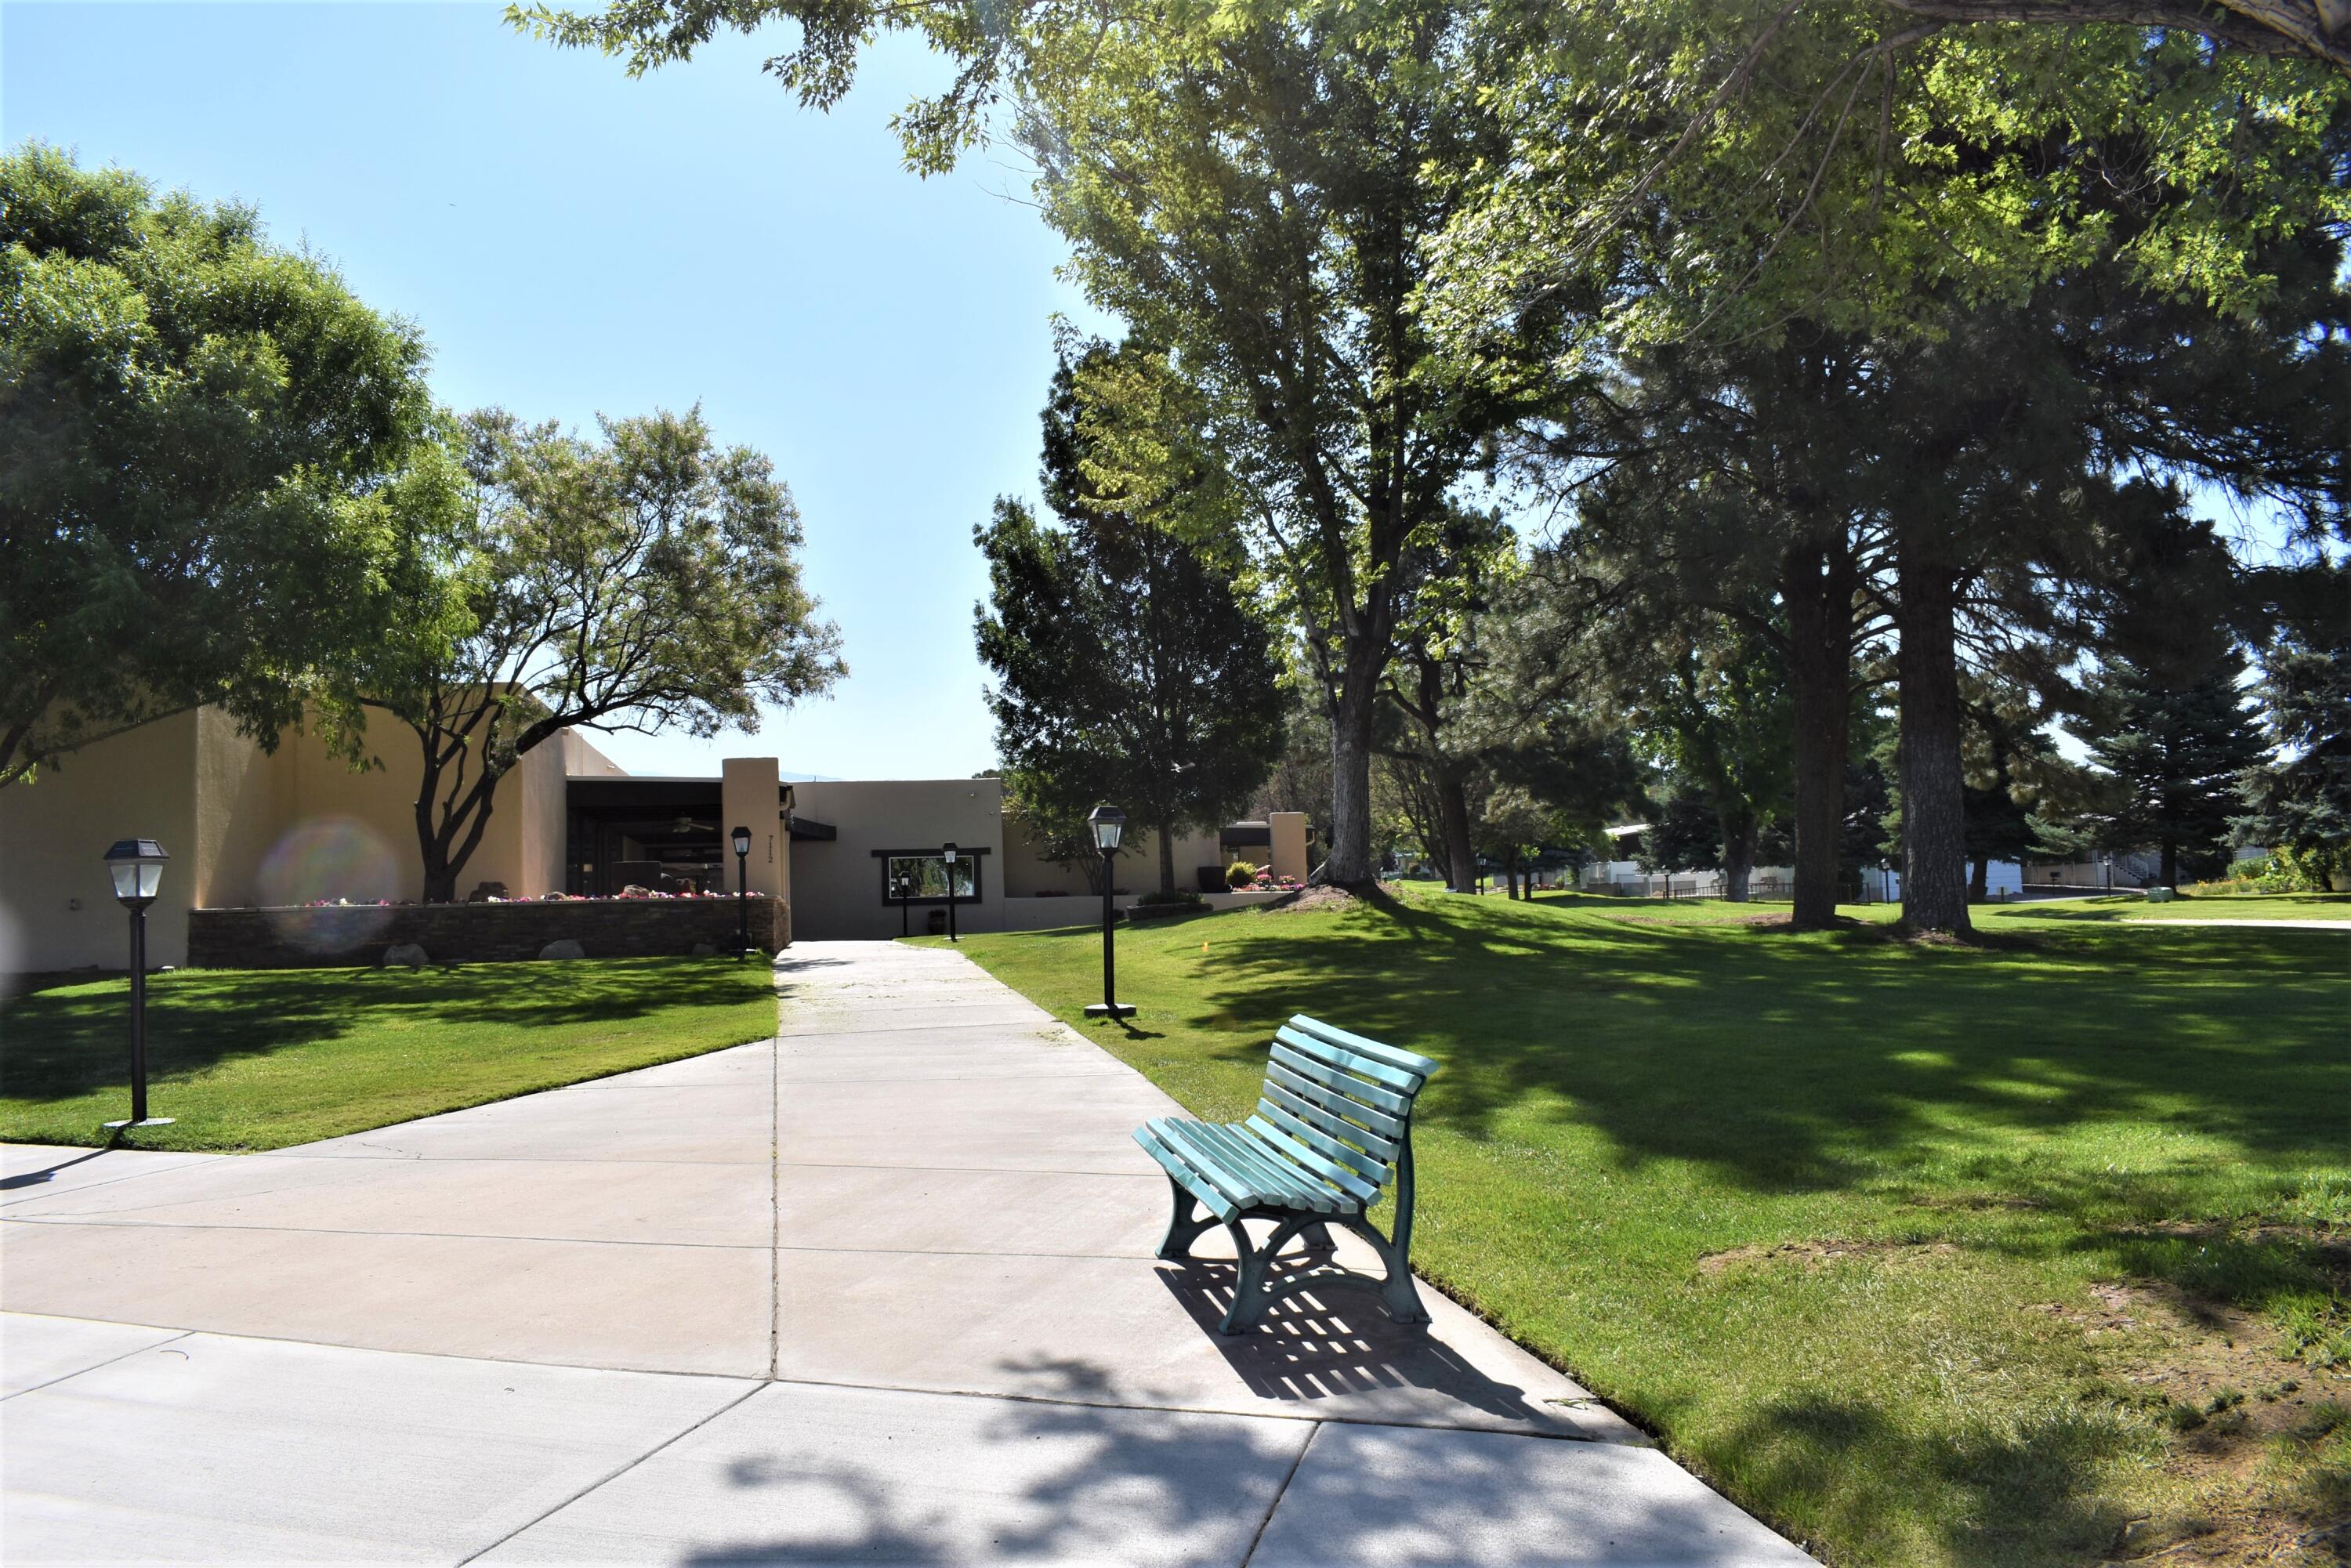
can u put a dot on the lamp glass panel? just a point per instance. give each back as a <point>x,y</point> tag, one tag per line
<point>126,878</point>
<point>1106,835</point>
<point>150,877</point>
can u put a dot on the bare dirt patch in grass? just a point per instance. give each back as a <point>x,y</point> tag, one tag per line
<point>1811,1254</point>
<point>2255,1442</point>
<point>1328,896</point>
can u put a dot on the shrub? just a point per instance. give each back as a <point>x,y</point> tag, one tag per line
<point>2286,871</point>
<point>1239,874</point>
<point>1156,899</point>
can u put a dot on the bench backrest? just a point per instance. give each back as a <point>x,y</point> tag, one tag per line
<point>1340,1104</point>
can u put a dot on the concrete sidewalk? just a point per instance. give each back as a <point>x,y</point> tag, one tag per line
<point>878,1290</point>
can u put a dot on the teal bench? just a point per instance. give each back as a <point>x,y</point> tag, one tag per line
<point>1333,1129</point>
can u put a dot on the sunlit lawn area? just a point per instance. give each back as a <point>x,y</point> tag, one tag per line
<point>2030,1252</point>
<point>2201,906</point>
<point>261,1058</point>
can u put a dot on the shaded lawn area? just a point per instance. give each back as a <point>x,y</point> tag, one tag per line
<point>259,1058</point>
<point>2033,1252</point>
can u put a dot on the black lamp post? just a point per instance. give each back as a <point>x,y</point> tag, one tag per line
<point>742,837</point>
<point>949,851</point>
<point>137,865</point>
<point>1108,823</point>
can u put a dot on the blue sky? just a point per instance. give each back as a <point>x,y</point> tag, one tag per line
<point>572,242</point>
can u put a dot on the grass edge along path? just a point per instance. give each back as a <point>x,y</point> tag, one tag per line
<point>2031,1252</point>
<point>248,1060</point>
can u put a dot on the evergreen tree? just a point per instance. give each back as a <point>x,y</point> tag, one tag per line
<point>1129,668</point>
<point>2178,749</point>
<point>2299,801</point>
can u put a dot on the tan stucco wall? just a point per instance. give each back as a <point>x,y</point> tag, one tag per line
<point>836,889</point>
<point>1289,857</point>
<point>243,796</point>
<point>56,904</point>
<point>750,796</point>
<point>582,760</point>
<point>344,834</point>
<point>243,827</point>
<point>1027,874</point>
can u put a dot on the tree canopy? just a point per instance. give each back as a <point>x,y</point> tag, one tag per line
<point>196,429</point>
<point>644,579</point>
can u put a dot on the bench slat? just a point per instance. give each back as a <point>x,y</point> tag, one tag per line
<point>1190,1180</point>
<point>1228,1159</point>
<point>1237,1189</point>
<point>1377,1146</point>
<point>1348,1181</point>
<point>1411,1061</point>
<point>1330,1077</point>
<point>1333,1102</point>
<point>1278,1181</point>
<point>1367,1174</point>
<point>1361,1066</point>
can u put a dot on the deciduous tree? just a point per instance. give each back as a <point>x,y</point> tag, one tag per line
<point>645,580</point>
<point>193,422</point>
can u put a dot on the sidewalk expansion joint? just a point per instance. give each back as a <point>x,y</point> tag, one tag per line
<point>93,1366</point>
<point>615,1474</point>
<point>1279,1492</point>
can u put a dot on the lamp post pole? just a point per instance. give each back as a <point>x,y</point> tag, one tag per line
<point>139,1012</point>
<point>742,838</point>
<point>137,867</point>
<point>1108,823</point>
<point>948,850</point>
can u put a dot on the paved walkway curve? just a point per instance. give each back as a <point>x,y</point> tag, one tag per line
<point>879,1290</point>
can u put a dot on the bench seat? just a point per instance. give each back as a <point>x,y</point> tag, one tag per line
<point>1332,1129</point>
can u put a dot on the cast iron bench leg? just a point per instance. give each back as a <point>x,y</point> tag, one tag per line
<point>1182,1227</point>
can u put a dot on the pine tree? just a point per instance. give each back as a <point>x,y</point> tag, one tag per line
<point>2178,748</point>
<point>2300,800</point>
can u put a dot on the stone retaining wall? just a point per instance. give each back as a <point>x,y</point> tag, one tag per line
<point>476,933</point>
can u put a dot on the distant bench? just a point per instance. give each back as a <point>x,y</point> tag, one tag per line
<point>1333,1129</point>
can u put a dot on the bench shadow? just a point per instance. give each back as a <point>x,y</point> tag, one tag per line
<point>1334,1343</point>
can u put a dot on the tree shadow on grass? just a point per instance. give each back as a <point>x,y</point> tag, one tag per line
<point>62,1043</point>
<point>1793,1063</point>
<point>2026,1491</point>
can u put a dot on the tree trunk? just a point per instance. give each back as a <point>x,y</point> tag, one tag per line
<point>1349,863</point>
<point>1817,587</point>
<point>1934,796</point>
<point>1980,880</point>
<point>1166,860</point>
<point>2170,874</point>
<point>1453,813</point>
<point>1739,830</point>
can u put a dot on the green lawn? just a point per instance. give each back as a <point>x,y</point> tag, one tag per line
<point>261,1058</point>
<point>2035,1251</point>
<point>2203,906</point>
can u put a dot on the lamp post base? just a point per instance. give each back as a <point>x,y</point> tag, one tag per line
<point>150,1121</point>
<point>1109,1010</point>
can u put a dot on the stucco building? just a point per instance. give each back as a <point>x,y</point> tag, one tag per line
<point>248,828</point>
